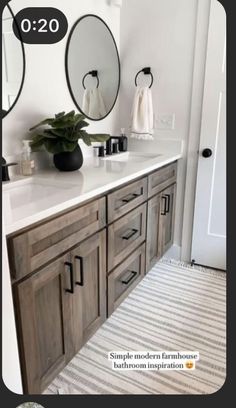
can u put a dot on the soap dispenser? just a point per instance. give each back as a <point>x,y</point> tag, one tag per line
<point>27,163</point>
<point>123,141</point>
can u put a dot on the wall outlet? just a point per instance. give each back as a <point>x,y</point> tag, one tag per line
<point>165,122</point>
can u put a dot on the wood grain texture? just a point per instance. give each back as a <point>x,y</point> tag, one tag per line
<point>40,245</point>
<point>118,291</point>
<point>167,221</point>
<point>41,324</point>
<point>135,192</point>
<point>118,247</point>
<point>161,179</point>
<point>93,291</point>
<point>52,324</point>
<point>153,244</point>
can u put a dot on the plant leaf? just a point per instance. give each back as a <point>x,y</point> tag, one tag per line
<point>36,144</point>
<point>59,115</point>
<point>57,132</point>
<point>49,135</point>
<point>102,137</point>
<point>81,125</point>
<point>48,121</point>
<point>59,146</point>
<point>86,139</point>
<point>37,137</point>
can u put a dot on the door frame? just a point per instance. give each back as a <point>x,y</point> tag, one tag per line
<point>199,69</point>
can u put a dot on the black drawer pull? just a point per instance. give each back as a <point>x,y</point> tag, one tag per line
<point>130,198</point>
<point>70,265</point>
<point>167,209</point>
<point>133,275</point>
<point>130,234</point>
<point>165,203</point>
<point>81,283</point>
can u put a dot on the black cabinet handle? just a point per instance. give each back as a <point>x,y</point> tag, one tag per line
<point>130,234</point>
<point>70,265</point>
<point>167,208</point>
<point>130,198</point>
<point>165,198</point>
<point>81,283</point>
<point>133,275</point>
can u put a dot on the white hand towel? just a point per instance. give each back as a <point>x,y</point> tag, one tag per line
<point>93,104</point>
<point>86,101</point>
<point>142,115</point>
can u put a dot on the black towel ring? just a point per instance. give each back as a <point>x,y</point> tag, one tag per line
<point>146,71</point>
<point>94,74</point>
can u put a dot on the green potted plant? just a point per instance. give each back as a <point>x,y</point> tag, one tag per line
<point>60,137</point>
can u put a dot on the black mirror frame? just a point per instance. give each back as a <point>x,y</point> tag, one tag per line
<point>24,68</point>
<point>67,71</point>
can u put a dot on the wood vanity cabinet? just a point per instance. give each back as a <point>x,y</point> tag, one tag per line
<point>160,225</point>
<point>71,271</point>
<point>125,235</point>
<point>58,309</point>
<point>89,260</point>
<point>125,277</point>
<point>33,248</point>
<point>154,250</point>
<point>49,324</point>
<point>167,218</point>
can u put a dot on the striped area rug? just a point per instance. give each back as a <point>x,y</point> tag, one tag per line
<point>175,308</point>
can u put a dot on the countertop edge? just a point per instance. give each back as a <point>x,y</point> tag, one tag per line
<point>56,209</point>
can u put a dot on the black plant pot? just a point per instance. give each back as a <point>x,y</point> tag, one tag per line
<point>69,161</point>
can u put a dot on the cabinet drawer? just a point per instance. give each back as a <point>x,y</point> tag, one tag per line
<point>126,199</point>
<point>36,247</point>
<point>161,179</point>
<point>125,277</point>
<point>125,235</point>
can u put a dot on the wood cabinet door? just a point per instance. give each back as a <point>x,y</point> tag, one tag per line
<point>154,244</point>
<point>125,277</point>
<point>167,218</point>
<point>46,331</point>
<point>125,235</point>
<point>89,260</point>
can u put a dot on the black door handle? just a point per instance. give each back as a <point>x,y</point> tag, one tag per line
<point>165,198</point>
<point>81,283</point>
<point>207,153</point>
<point>70,265</point>
<point>167,208</point>
<point>130,235</point>
<point>133,274</point>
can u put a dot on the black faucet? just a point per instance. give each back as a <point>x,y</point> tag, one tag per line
<point>5,165</point>
<point>109,149</point>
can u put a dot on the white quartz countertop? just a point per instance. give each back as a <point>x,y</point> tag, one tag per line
<point>50,192</point>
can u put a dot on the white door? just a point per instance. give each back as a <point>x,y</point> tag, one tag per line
<point>209,231</point>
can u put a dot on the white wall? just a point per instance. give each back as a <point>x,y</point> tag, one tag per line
<point>45,90</point>
<point>160,34</point>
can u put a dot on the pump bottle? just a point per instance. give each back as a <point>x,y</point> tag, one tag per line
<point>27,162</point>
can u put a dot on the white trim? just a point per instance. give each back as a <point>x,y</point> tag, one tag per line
<point>195,125</point>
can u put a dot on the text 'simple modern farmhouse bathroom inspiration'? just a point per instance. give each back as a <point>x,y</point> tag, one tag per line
<point>114,197</point>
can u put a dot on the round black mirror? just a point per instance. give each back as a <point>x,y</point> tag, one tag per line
<point>13,63</point>
<point>92,67</point>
